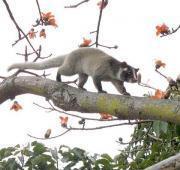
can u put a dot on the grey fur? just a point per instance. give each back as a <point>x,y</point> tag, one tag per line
<point>50,63</point>
<point>88,62</point>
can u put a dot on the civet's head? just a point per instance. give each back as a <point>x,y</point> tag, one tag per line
<point>128,73</point>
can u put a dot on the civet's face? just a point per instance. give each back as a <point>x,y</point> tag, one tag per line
<point>129,74</point>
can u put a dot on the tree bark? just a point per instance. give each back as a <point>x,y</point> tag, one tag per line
<point>172,163</point>
<point>72,99</point>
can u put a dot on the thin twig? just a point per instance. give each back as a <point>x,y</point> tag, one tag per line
<point>38,56</point>
<point>69,82</point>
<point>39,9</point>
<point>27,53</point>
<point>155,138</point>
<point>52,108</point>
<point>102,120</point>
<point>76,5</point>
<point>17,26</point>
<point>108,126</point>
<point>109,47</point>
<point>99,23</point>
<point>146,85</point>
<point>24,71</point>
<point>161,74</point>
<point>46,56</point>
<point>171,32</point>
<point>19,39</point>
<point>92,32</point>
<point>45,75</point>
<point>49,137</point>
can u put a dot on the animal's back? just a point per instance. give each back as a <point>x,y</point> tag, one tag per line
<point>88,60</point>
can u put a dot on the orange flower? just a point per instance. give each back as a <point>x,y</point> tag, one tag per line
<point>159,63</point>
<point>163,29</point>
<point>64,121</point>
<point>32,34</point>
<point>86,42</point>
<point>53,22</point>
<point>47,16</point>
<point>49,19</point>
<point>16,106</point>
<point>42,33</point>
<point>158,94</point>
<point>105,116</point>
<point>102,4</point>
<point>48,133</point>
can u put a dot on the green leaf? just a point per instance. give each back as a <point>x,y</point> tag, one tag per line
<point>5,152</point>
<point>104,163</point>
<point>26,152</point>
<point>140,154</point>
<point>164,126</point>
<point>16,152</point>
<point>12,164</point>
<point>67,156</point>
<point>17,146</point>
<point>39,149</point>
<point>42,161</point>
<point>156,128</point>
<point>160,127</point>
<point>178,130</point>
<point>78,152</point>
<point>106,156</point>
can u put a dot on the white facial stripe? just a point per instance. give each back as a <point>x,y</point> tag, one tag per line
<point>119,73</point>
<point>134,74</point>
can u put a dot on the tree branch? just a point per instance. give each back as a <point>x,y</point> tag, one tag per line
<point>76,5</point>
<point>172,162</point>
<point>72,99</point>
<point>98,25</point>
<point>18,27</point>
<point>41,138</point>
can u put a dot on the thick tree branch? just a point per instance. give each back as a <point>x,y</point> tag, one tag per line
<point>72,99</point>
<point>167,164</point>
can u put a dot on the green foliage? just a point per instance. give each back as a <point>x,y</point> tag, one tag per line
<point>6,152</point>
<point>150,143</point>
<point>36,156</point>
<point>159,127</point>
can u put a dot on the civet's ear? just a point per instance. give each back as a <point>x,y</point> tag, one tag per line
<point>123,64</point>
<point>136,69</point>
